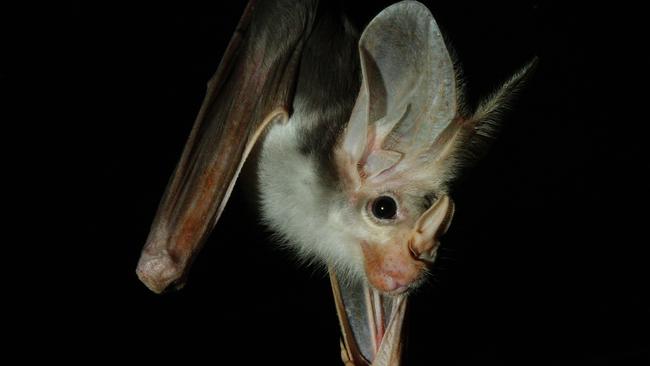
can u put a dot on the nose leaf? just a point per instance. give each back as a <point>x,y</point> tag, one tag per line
<point>432,225</point>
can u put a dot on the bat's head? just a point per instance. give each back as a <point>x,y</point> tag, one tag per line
<point>400,149</point>
<point>392,230</point>
<point>383,217</point>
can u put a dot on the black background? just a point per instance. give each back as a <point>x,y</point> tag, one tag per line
<point>545,263</point>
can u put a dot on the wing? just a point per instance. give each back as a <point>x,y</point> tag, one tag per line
<point>372,324</point>
<point>252,87</point>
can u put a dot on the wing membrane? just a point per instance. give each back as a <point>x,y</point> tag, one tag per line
<point>252,87</point>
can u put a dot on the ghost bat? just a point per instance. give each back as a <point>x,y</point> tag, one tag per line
<point>360,140</point>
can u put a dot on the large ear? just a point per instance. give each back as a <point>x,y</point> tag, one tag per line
<point>407,96</point>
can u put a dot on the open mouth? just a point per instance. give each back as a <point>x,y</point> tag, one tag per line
<point>371,322</point>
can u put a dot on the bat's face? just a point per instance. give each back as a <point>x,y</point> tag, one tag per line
<point>393,233</point>
<point>398,235</point>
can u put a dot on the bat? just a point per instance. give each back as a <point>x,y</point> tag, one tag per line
<point>361,138</point>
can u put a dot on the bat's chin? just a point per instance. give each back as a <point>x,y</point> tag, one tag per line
<point>394,285</point>
<point>395,291</point>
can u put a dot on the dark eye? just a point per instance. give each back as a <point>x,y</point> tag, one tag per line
<point>384,208</point>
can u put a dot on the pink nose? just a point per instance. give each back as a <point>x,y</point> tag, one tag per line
<point>391,269</point>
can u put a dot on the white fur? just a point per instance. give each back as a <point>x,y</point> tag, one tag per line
<point>309,217</point>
